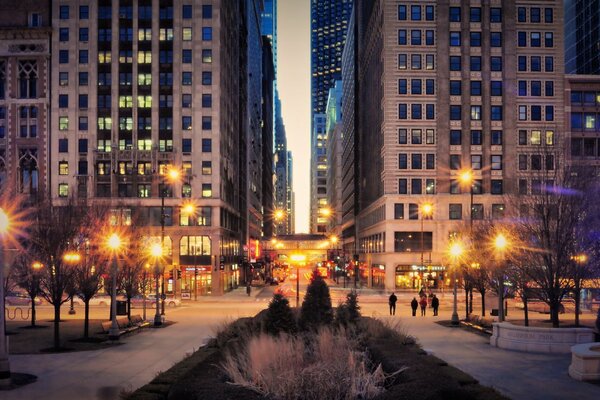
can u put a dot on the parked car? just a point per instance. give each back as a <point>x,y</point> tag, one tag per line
<point>20,299</point>
<point>102,300</point>
<point>138,301</point>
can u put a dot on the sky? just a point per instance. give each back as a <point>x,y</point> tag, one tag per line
<point>293,80</point>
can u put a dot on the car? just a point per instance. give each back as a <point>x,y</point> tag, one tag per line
<point>102,300</point>
<point>138,301</point>
<point>19,299</point>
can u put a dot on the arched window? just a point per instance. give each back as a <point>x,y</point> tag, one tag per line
<point>28,76</point>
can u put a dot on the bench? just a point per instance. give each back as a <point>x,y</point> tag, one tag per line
<point>125,325</point>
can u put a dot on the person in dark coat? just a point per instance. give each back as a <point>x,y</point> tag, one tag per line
<point>392,302</point>
<point>414,304</point>
<point>435,303</point>
<point>248,289</point>
<point>423,304</point>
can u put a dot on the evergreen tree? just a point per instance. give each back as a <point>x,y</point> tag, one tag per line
<point>279,316</point>
<point>353,307</point>
<point>316,308</point>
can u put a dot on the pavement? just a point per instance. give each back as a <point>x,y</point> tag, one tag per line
<point>103,374</point>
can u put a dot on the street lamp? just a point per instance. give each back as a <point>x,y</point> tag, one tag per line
<point>4,364</point>
<point>72,258</point>
<point>172,174</point>
<point>190,209</point>
<point>144,287</point>
<point>114,244</point>
<point>466,177</point>
<point>157,252</point>
<point>500,244</point>
<point>456,250</point>
<point>298,258</point>
<point>426,212</point>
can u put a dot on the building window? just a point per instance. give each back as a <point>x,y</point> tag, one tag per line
<point>402,136</point>
<point>496,162</point>
<point>186,34</point>
<point>63,123</point>
<point>476,137</point>
<point>63,34</point>
<point>416,161</point>
<point>495,15</point>
<point>398,211</point>
<point>416,186</point>
<point>455,63</point>
<point>475,14</point>
<point>455,161</point>
<point>63,12</point>
<point>497,187</point>
<point>402,111</point>
<point>195,246</point>
<point>415,61</point>
<point>402,40</point>
<point>63,190</point>
<point>206,145</point>
<point>475,88</point>
<point>430,161</point>
<point>207,33</point>
<point>498,211</point>
<point>535,39</point>
<point>402,161</point>
<point>415,37</point>
<point>206,101</point>
<point>186,11</point>
<point>454,14</point>
<point>476,162</point>
<point>186,78</point>
<point>476,113</point>
<point>455,88</point>
<point>455,211</point>
<point>475,39</point>
<point>496,113</point>
<point>207,11</point>
<point>522,39</point>
<point>496,63</point>
<point>522,113</point>
<point>206,168</point>
<point>475,63</point>
<point>206,123</point>
<point>415,13</point>
<point>455,113</point>
<point>455,137</point>
<point>63,168</point>
<point>496,138</point>
<point>402,12</point>
<point>455,39</point>
<point>496,39</point>
<point>496,88</point>
<point>206,190</point>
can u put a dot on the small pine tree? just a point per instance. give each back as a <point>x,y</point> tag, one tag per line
<point>316,308</point>
<point>280,317</point>
<point>353,307</point>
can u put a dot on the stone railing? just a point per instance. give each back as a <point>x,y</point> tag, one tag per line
<point>585,362</point>
<point>539,340</point>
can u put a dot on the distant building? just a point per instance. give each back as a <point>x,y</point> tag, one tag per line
<point>25,97</point>
<point>329,25</point>
<point>291,196</point>
<point>334,134</point>
<point>268,194</point>
<point>582,36</point>
<point>446,88</point>
<point>582,99</point>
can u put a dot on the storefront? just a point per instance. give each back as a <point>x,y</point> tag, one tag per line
<point>378,276</point>
<point>195,281</point>
<point>417,276</point>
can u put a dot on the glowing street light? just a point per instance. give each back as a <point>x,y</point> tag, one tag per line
<point>114,244</point>
<point>456,250</point>
<point>500,244</point>
<point>72,258</point>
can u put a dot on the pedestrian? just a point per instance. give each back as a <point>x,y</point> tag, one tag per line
<point>435,303</point>
<point>414,304</point>
<point>392,302</point>
<point>248,289</point>
<point>423,304</point>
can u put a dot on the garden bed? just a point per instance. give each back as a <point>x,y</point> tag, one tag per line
<point>201,375</point>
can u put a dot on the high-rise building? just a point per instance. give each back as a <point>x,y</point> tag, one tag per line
<point>282,186</point>
<point>268,194</point>
<point>140,87</point>
<point>329,25</point>
<point>268,26</point>
<point>582,36</point>
<point>450,90</point>
<point>25,97</point>
<point>582,97</point>
<point>290,210</point>
<point>333,132</point>
<point>318,182</point>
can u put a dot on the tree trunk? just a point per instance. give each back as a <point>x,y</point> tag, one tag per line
<point>526,311</point>
<point>129,308</point>
<point>86,319</point>
<point>471,300</point>
<point>32,313</point>
<point>466,303</point>
<point>482,303</point>
<point>577,301</point>
<point>56,325</point>
<point>554,309</point>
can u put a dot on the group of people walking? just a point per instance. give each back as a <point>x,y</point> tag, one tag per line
<point>434,302</point>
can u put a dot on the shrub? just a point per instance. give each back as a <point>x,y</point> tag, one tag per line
<point>279,316</point>
<point>316,308</point>
<point>325,365</point>
<point>348,312</point>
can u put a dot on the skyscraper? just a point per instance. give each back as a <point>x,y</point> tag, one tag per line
<point>582,36</point>
<point>141,86</point>
<point>329,25</point>
<point>450,91</point>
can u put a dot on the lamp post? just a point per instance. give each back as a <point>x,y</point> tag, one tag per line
<point>145,284</point>
<point>4,363</point>
<point>501,243</point>
<point>72,258</point>
<point>156,252</point>
<point>114,243</point>
<point>426,212</point>
<point>173,175</point>
<point>189,209</point>
<point>466,177</point>
<point>334,240</point>
<point>456,250</point>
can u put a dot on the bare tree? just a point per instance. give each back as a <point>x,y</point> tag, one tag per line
<point>551,218</point>
<point>51,236</point>
<point>26,273</point>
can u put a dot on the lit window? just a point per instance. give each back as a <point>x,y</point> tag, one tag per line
<point>104,57</point>
<point>144,101</point>
<point>125,101</point>
<point>536,137</point>
<point>63,190</point>
<point>144,57</point>
<point>63,168</point>
<point>206,190</point>
<point>186,34</point>
<point>165,34</point>
<point>63,123</point>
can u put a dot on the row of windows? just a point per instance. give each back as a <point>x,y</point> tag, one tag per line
<point>416,136</point>
<point>588,121</point>
<point>535,186</point>
<point>475,63</point>
<point>416,37</point>
<point>143,57</point>
<point>475,14</point>
<point>534,113</point>
<point>416,161</point>
<point>164,101</point>
<point>416,111</point>
<point>416,61</point>
<point>417,12</point>
<point>143,101</point>
<point>535,15</point>
<point>535,64</point>
<point>535,39</point>
<point>475,88</point>
<point>585,98</point>
<point>144,123</point>
<point>536,162</point>
<point>143,191</point>
<point>143,34</point>
<point>455,211</point>
<point>144,12</point>
<point>534,88</point>
<point>585,147</point>
<point>416,186</point>
<point>105,145</point>
<point>476,113</point>
<point>476,137</point>
<point>416,86</point>
<point>475,39</point>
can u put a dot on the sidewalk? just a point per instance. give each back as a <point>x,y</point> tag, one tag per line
<point>518,375</point>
